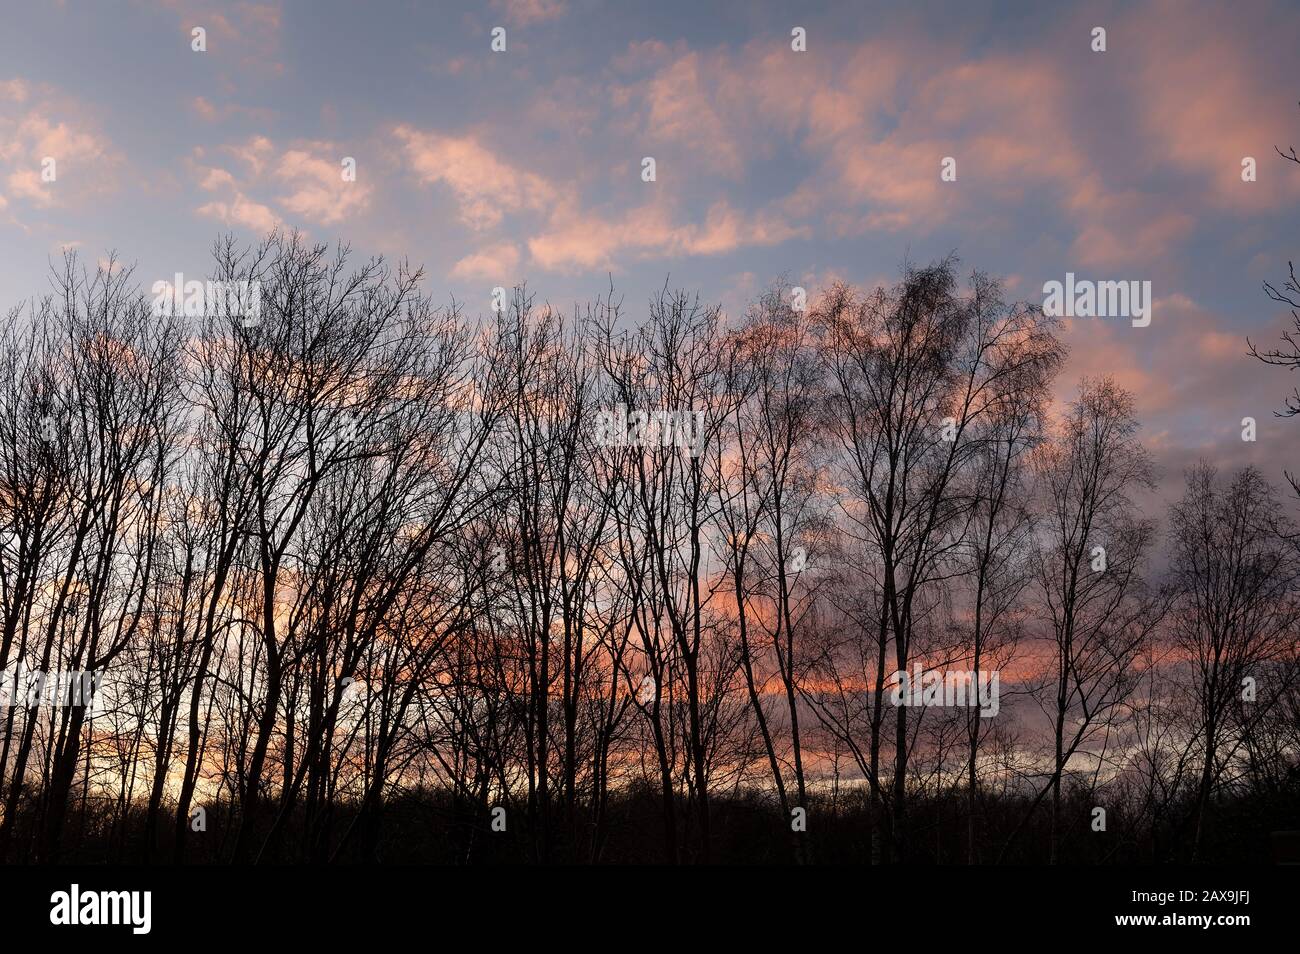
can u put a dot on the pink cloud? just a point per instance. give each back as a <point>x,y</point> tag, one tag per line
<point>217,179</point>
<point>485,187</point>
<point>240,210</point>
<point>255,152</point>
<point>320,193</point>
<point>312,171</point>
<point>525,12</point>
<point>876,121</point>
<point>495,263</point>
<point>1184,360</point>
<point>680,107</point>
<point>247,33</point>
<point>211,113</point>
<point>569,237</point>
<point>14,90</point>
<point>589,241</point>
<point>43,134</point>
<point>1206,106</point>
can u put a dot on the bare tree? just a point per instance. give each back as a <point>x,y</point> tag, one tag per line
<point>1234,570</point>
<point>1097,605</point>
<point>916,371</point>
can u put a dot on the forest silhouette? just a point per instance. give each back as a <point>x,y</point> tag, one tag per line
<point>371,579</point>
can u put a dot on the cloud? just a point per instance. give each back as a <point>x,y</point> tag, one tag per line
<point>1203,113</point>
<point>321,194</point>
<point>217,179</point>
<point>210,112</point>
<point>525,12</point>
<point>40,130</point>
<point>587,241</point>
<point>485,187</point>
<point>316,193</point>
<point>680,109</point>
<point>244,33</point>
<point>496,263</point>
<point>255,152</point>
<point>1115,228</point>
<point>240,210</point>
<point>565,235</point>
<point>872,117</point>
<point>14,90</point>
<point>204,108</point>
<point>1185,362</point>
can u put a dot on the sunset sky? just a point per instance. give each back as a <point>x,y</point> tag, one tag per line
<point>496,168</point>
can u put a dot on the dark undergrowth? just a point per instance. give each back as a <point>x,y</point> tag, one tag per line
<point>431,827</point>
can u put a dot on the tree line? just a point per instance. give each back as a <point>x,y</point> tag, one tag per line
<point>368,578</point>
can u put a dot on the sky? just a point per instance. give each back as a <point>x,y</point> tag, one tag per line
<point>526,165</point>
